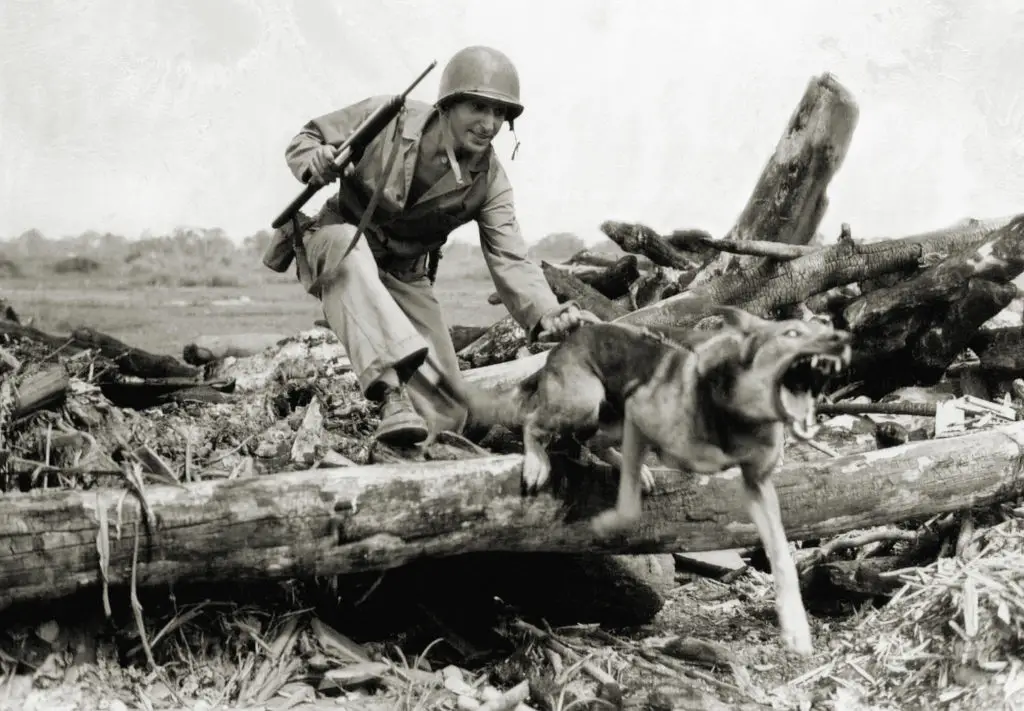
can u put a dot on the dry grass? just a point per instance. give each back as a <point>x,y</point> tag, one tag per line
<point>951,633</point>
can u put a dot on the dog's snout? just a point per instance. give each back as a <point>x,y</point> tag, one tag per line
<point>841,337</point>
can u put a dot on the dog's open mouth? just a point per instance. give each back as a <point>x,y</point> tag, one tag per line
<point>799,387</point>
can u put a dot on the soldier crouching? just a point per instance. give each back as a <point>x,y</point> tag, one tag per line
<point>436,170</point>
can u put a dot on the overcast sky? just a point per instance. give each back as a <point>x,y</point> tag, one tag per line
<point>127,116</point>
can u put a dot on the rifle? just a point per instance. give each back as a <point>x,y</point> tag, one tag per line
<point>352,149</point>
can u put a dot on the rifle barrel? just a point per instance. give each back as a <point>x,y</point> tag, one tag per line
<point>418,79</point>
<point>343,156</point>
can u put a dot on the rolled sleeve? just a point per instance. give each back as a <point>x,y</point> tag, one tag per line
<point>520,283</point>
<point>333,128</point>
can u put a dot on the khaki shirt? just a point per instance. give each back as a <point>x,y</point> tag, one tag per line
<point>412,230</point>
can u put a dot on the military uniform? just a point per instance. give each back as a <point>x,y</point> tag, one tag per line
<point>380,300</point>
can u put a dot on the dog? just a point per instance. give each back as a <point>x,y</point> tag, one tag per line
<point>701,400</point>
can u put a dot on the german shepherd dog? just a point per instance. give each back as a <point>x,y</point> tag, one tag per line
<point>702,401</point>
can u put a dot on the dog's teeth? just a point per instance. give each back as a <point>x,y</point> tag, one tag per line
<point>814,361</point>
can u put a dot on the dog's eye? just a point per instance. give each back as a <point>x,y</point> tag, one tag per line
<point>792,333</point>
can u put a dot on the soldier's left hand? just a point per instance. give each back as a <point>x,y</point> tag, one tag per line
<point>562,319</point>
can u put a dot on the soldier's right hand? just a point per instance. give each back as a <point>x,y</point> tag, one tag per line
<point>321,166</point>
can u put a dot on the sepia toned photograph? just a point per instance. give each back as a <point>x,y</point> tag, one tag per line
<point>539,356</point>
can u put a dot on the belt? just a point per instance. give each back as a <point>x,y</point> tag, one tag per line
<point>404,268</point>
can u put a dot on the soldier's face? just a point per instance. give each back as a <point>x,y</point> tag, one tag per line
<point>474,123</point>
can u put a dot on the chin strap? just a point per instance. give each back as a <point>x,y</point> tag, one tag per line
<point>515,148</point>
<point>447,141</point>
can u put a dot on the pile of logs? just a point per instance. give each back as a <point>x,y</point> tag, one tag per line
<point>921,309</point>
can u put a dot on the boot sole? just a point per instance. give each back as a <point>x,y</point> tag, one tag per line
<point>405,433</point>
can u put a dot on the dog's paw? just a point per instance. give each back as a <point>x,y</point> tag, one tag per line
<point>796,636</point>
<point>536,471</point>
<point>646,479</point>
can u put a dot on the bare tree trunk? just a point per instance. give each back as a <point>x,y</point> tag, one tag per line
<point>789,199</point>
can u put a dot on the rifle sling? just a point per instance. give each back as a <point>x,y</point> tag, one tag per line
<point>364,221</point>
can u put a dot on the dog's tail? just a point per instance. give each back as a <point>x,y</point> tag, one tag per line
<point>503,405</point>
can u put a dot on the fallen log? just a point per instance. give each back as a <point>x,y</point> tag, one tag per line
<point>971,306</point>
<point>333,521</point>
<point>43,389</point>
<point>462,336</point>
<point>206,349</point>
<point>1000,351</point>
<point>641,239</point>
<point>775,284</point>
<point>998,257</point>
<point>498,344</point>
<point>504,339</point>
<point>789,199</point>
<point>917,327</point>
<point>31,333</point>
<point>760,248</point>
<point>570,288</point>
<point>131,360</point>
<point>657,285</point>
<point>692,243</point>
<point>611,281</point>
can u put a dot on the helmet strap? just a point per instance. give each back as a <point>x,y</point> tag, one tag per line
<point>448,143</point>
<point>515,148</point>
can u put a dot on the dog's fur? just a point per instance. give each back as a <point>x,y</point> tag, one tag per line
<point>702,401</point>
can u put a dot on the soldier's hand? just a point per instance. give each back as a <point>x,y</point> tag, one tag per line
<point>321,166</point>
<point>562,319</point>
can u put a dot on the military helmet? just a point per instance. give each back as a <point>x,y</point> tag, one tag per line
<point>484,72</point>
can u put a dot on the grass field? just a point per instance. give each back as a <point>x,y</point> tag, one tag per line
<point>161,293</point>
<point>163,319</point>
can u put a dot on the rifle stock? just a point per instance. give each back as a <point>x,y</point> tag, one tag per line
<point>352,149</point>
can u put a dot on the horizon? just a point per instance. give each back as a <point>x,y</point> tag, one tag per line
<point>176,116</point>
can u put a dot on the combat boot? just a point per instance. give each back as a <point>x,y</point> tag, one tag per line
<point>400,424</point>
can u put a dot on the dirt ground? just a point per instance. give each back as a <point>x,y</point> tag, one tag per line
<point>101,666</point>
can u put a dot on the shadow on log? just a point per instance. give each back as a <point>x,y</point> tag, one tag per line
<point>325,522</point>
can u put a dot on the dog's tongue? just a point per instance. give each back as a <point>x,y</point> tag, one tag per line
<point>800,408</point>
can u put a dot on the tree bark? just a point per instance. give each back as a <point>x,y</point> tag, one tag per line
<point>776,284</point>
<point>134,361</point>
<point>789,199</point>
<point>657,285</point>
<point>40,390</point>
<point>568,287</point>
<point>462,336</point>
<point>761,248</point>
<point>641,239</point>
<point>999,257</point>
<point>129,360</point>
<point>611,281</point>
<point>497,344</point>
<point>913,331</point>
<point>332,521</point>
<point>599,258</point>
<point>503,340</point>
<point>977,302</point>
<point>1000,351</point>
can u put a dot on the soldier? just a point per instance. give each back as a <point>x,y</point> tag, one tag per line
<point>433,170</point>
